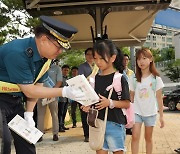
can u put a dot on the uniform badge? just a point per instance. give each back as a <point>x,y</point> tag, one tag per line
<point>29,52</point>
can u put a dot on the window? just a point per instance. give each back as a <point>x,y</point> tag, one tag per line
<point>169,32</point>
<point>147,44</point>
<point>163,39</point>
<point>170,45</point>
<point>169,39</point>
<point>163,45</point>
<point>154,38</point>
<point>148,37</point>
<point>154,44</point>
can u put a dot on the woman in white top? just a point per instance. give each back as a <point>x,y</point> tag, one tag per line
<point>146,93</point>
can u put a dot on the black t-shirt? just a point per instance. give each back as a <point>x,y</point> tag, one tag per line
<point>101,83</point>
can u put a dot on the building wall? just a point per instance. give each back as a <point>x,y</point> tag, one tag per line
<point>171,39</point>
<point>177,45</point>
<point>159,42</point>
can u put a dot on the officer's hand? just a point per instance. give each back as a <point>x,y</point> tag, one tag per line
<point>28,116</point>
<point>70,93</point>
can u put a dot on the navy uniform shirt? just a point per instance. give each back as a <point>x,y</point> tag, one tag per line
<point>20,62</point>
<point>85,69</point>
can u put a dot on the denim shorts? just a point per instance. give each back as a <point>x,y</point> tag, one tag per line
<point>148,121</point>
<point>114,137</point>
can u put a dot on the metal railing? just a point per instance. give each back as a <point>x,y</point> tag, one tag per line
<point>164,63</point>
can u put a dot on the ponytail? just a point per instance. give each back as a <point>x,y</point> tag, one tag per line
<point>118,63</point>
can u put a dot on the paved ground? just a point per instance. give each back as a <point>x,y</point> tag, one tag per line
<point>71,142</point>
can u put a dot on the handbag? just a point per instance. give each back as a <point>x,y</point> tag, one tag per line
<point>178,106</point>
<point>97,127</point>
<point>92,117</point>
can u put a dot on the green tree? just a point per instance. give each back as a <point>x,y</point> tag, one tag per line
<point>168,53</point>
<point>72,57</point>
<point>156,54</point>
<point>173,71</point>
<point>162,55</point>
<point>13,17</point>
<point>125,50</point>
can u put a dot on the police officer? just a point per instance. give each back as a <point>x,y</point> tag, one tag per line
<point>23,63</point>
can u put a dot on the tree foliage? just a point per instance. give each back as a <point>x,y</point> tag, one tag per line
<point>168,53</point>
<point>15,21</point>
<point>72,57</point>
<point>163,55</point>
<point>173,71</point>
<point>125,50</point>
<point>156,54</point>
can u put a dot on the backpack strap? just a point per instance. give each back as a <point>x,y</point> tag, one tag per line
<point>134,82</point>
<point>117,86</point>
<point>154,82</point>
<point>117,82</point>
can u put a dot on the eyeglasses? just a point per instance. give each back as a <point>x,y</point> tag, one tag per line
<point>59,47</point>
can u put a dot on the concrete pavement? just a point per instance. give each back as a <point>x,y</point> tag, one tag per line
<point>71,142</point>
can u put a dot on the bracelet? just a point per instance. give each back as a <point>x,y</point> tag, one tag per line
<point>111,104</point>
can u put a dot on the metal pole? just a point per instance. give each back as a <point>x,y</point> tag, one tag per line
<point>98,22</point>
<point>132,57</point>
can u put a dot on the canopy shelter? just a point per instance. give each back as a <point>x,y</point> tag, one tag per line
<point>126,22</point>
<point>169,18</point>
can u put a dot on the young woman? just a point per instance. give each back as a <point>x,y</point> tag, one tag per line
<point>109,60</point>
<point>146,93</point>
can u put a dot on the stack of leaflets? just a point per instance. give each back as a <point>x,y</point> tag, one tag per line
<point>80,84</point>
<point>23,129</point>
